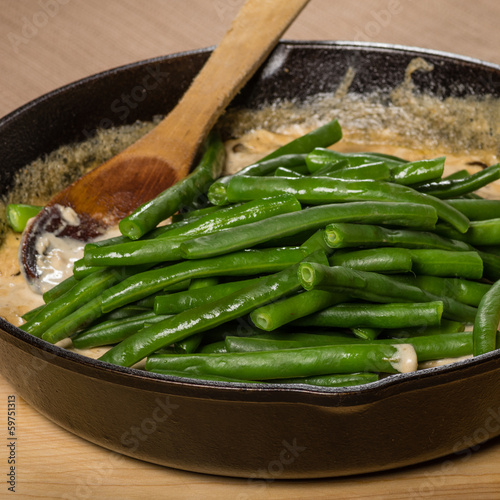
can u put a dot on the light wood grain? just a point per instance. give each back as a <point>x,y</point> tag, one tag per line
<point>70,39</point>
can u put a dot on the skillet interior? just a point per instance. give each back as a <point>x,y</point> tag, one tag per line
<point>241,430</point>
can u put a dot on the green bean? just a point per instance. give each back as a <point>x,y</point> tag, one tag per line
<point>218,346</point>
<point>279,341</point>
<point>480,232</point>
<point>458,187</point>
<point>459,174</point>
<point>244,263</point>
<point>418,171</point>
<point>491,265</point>
<point>446,326</point>
<point>59,289</point>
<point>397,315</point>
<point>366,333</point>
<point>291,363</point>
<point>18,215</point>
<point>381,260</point>
<point>331,167</point>
<point>449,345</point>
<point>465,291</point>
<point>345,235</point>
<point>447,263</point>
<point>150,214</point>
<point>487,320</point>
<point>321,157</point>
<point>377,171</point>
<point>476,209</point>
<point>376,287</point>
<point>286,172</point>
<point>68,302</point>
<point>277,314</point>
<point>114,331</point>
<point>207,316</point>
<point>347,380</point>
<point>323,136</point>
<point>185,217</point>
<point>316,191</point>
<point>313,218</point>
<point>174,303</point>
<point>198,283</point>
<point>167,249</point>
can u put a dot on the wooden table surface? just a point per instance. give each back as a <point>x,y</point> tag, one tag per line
<point>47,43</point>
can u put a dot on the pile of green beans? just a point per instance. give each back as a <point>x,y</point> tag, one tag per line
<point>309,266</point>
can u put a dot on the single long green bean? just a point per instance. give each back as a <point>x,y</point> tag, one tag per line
<point>418,171</point>
<point>291,363</point>
<point>207,316</point>
<point>396,315</point>
<point>345,235</point>
<point>314,190</point>
<point>309,219</point>
<point>377,171</point>
<point>150,214</point>
<point>320,157</point>
<point>457,187</point>
<point>449,345</point>
<point>337,380</point>
<point>59,289</point>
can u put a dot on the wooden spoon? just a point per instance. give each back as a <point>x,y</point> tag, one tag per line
<point>113,190</point>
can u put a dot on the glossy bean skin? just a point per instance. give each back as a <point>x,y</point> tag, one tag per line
<point>457,187</point>
<point>300,362</point>
<point>427,348</point>
<point>310,219</point>
<point>396,315</point>
<point>314,190</point>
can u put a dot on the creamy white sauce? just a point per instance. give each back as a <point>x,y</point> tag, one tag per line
<point>404,359</point>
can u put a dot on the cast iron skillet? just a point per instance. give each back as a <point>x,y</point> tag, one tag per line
<point>237,429</point>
